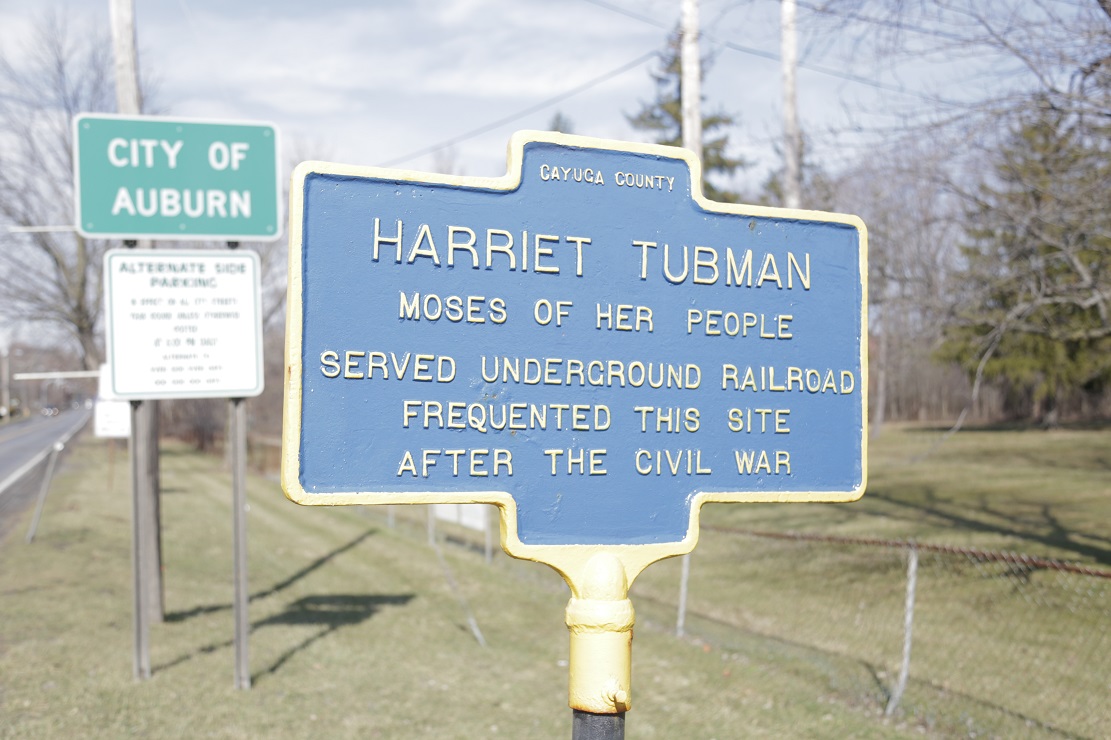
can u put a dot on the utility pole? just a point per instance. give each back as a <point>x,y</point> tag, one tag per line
<point>128,98</point>
<point>690,86</point>
<point>146,548</point>
<point>690,80</point>
<point>792,136</point>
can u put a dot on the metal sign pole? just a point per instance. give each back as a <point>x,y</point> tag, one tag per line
<point>238,411</point>
<point>146,489</point>
<point>139,440</point>
<point>156,606</point>
<point>587,726</point>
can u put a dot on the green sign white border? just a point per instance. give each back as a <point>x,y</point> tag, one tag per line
<point>173,236</point>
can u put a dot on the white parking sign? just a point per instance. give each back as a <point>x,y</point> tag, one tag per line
<point>183,324</point>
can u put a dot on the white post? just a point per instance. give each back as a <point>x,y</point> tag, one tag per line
<point>908,629</point>
<point>690,81</point>
<point>44,488</point>
<point>792,137</point>
<point>487,534</point>
<point>684,579</point>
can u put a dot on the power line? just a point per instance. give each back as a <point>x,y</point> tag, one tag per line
<point>895,25</point>
<point>38,229</point>
<point>525,112</point>
<point>845,76</point>
<point>774,56</point>
<point>630,14</point>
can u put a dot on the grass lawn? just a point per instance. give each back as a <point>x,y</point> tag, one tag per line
<point>356,632</point>
<point>1044,493</point>
<point>1032,644</point>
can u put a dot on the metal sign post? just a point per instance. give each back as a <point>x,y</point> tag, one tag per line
<point>185,324</point>
<point>586,343</point>
<point>238,410</point>
<point>237,414</point>
<point>140,560</point>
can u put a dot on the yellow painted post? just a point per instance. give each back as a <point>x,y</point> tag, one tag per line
<point>600,619</point>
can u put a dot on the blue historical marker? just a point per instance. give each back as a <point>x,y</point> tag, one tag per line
<point>586,342</point>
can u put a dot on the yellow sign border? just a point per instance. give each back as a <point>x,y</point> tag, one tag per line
<point>571,561</point>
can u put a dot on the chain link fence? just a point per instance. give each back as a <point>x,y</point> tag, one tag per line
<point>997,633</point>
<point>955,641</point>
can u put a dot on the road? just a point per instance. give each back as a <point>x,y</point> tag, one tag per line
<point>24,451</point>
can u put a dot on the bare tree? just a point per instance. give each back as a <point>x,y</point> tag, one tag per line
<point>1044,47</point>
<point>943,179</point>
<point>50,276</point>
<point>912,236</point>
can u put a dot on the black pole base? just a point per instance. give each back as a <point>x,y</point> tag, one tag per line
<point>587,726</point>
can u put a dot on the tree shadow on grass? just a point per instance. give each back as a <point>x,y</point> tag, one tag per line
<point>181,616</point>
<point>1087,425</point>
<point>331,612</point>
<point>1045,528</point>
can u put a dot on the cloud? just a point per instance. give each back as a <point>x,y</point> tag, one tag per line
<point>371,80</point>
<point>382,78</point>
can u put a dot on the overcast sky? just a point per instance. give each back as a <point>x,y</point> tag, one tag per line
<point>384,82</point>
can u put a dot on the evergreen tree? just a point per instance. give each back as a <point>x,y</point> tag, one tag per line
<point>819,191</point>
<point>561,124</point>
<point>663,119</point>
<point>1037,311</point>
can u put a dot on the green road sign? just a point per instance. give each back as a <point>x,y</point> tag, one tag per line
<point>159,178</point>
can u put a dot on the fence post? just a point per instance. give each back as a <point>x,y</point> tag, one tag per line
<point>487,535</point>
<point>684,578</point>
<point>43,490</point>
<point>908,629</point>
